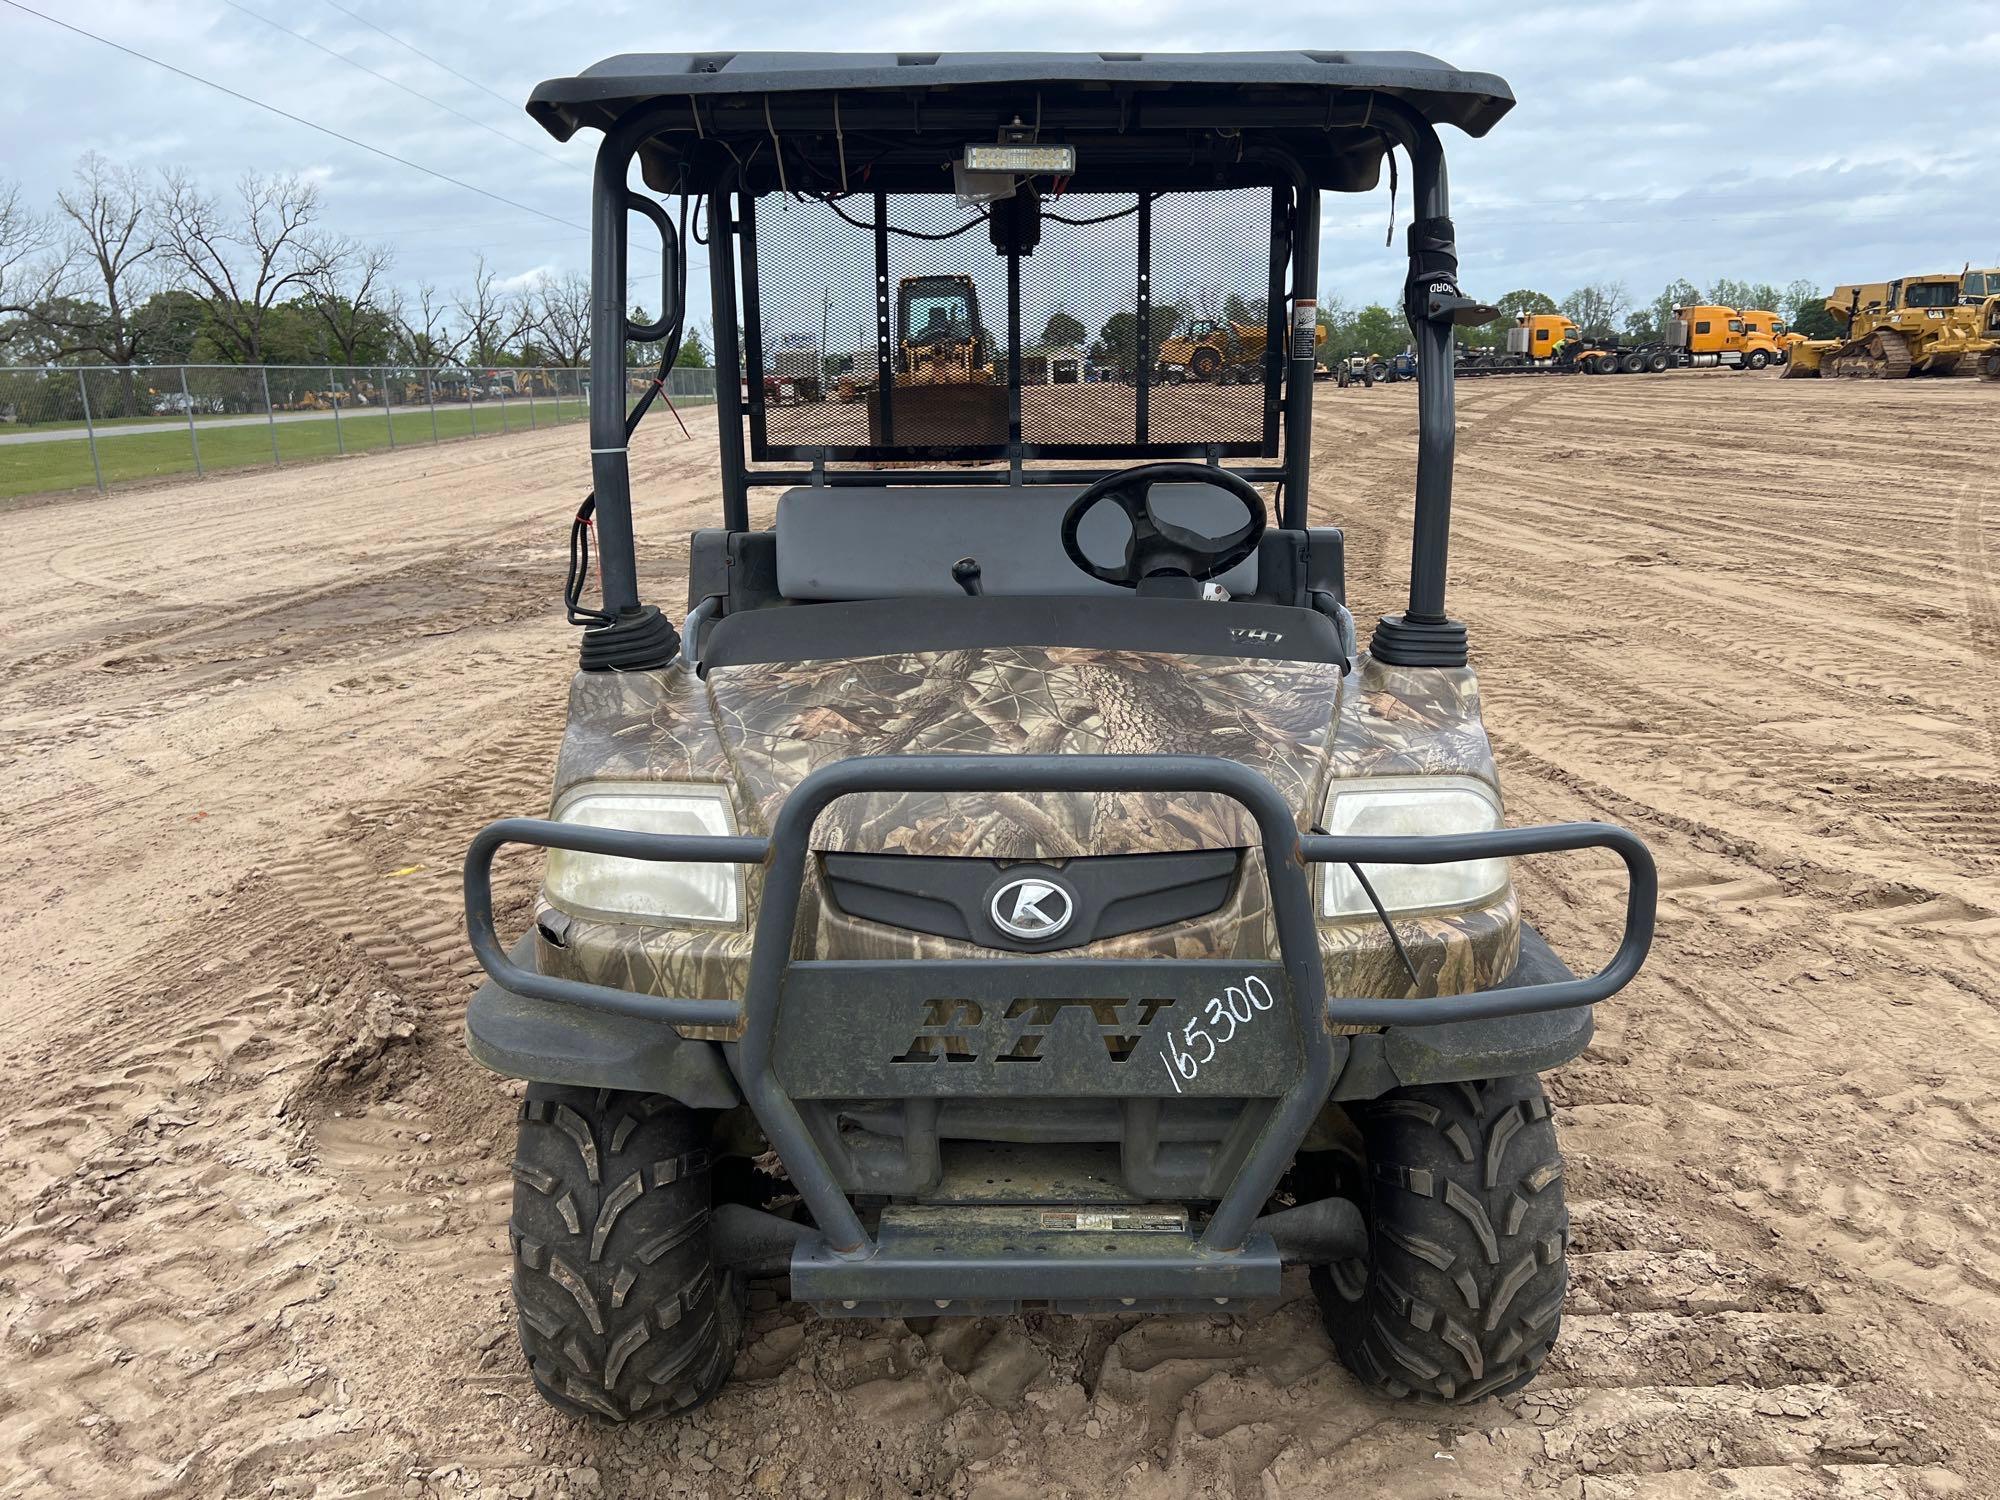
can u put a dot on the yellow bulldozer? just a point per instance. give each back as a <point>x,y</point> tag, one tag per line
<point>945,389</point>
<point>940,339</point>
<point>1989,322</point>
<point>1916,325</point>
<point>1224,351</point>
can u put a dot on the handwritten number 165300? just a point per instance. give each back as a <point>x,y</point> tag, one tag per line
<point>1217,1024</point>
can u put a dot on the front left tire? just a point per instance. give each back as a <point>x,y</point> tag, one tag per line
<point>622,1310</point>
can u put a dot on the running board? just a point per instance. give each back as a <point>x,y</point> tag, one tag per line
<point>1071,1259</point>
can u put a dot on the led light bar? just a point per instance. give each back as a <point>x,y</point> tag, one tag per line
<point>1052,161</point>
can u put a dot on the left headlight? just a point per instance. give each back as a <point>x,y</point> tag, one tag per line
<point>1411,806</point>
<point>602,885</point>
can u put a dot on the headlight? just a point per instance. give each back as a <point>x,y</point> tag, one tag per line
<point>605,885</point>
<point>1412,805</point>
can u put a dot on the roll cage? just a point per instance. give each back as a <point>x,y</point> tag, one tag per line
<point>858,134</point>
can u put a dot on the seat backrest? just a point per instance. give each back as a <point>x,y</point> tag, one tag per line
<point>900,543</point>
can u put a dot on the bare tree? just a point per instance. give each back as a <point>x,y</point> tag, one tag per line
<point>109,269</point>
<point>346,292</point>
<point>427,335</point>
<point>1596,309</point>
<point>493,320</point>
<point>242,263</point>
<point>562,316</point>
<point>28,269</point>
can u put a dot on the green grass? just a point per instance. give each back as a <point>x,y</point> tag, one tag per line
<point>37,468</point>
<point>126,457</point>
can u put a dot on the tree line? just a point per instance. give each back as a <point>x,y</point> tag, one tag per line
<point>128,268</point>
<point>1607,311</point>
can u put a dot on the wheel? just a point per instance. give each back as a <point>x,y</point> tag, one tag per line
<point>622,1312</point>
<point>1461,1295</point>
<point>1378,371</point>
<point>1631,364</point>
<point>1203,363</point>
<point>1657,361</point>
<point>1756,359</point>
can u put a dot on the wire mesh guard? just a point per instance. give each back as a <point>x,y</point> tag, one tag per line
<point>1138,325</point>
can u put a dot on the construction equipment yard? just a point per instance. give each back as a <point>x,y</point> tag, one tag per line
<point>254,1197</point>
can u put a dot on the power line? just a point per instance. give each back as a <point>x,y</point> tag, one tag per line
<point>410,47</point>
<point>223,88</point>
<point>393,83</point>
<point>437,62</point>
<point>327,130</point>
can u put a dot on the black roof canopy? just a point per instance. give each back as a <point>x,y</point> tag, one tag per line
<point>890,121</point>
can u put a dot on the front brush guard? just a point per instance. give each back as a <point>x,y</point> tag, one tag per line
<point>1287,855</point>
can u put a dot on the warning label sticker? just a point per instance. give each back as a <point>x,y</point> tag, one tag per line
<point>1305,323</point>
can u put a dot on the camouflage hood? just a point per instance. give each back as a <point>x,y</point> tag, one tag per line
<point>777,723</point>
<point>759,729</point>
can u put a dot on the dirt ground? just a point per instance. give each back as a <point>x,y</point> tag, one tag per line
<point>252,1192</point>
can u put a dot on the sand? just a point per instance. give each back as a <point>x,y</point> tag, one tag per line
<point>253,1193</point>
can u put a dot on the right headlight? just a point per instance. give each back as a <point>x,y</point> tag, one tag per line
<point>607,886</point>
<point>1409,806</point>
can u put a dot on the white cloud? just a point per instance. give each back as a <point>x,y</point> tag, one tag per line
<point>521,281</point>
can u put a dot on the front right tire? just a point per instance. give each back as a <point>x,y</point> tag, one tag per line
<point>623,1313</point>
<point>1461,1294</point>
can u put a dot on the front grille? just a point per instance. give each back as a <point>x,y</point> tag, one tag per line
<point>1099,896</point>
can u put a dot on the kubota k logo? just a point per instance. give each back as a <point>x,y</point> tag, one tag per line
<point>1031,909</point>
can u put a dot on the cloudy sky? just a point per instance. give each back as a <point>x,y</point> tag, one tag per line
<point>1653,138</point>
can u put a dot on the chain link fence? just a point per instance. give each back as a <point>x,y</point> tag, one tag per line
<point>72,427</point>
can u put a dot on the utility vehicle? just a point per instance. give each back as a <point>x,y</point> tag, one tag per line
<point>1012,887</point>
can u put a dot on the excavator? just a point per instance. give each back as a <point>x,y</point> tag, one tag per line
<point>1915,325</point>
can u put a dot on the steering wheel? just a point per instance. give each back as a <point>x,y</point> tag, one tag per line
<point>1159,548</point>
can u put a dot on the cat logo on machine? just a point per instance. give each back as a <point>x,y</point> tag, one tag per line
<point>1032,909</point>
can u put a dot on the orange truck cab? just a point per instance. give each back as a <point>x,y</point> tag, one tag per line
<point>1710,334</point>
<point>1762,325</point>
<point>1540,335</point>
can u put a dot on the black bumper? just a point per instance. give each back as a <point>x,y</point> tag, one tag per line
<point>521,1037</point>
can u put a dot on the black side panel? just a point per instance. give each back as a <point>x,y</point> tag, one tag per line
<point>708,565</point>
<point>739,567</point>
<point>1282,567</point>
<point>1327,570</point>
<point>549,1042</point>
